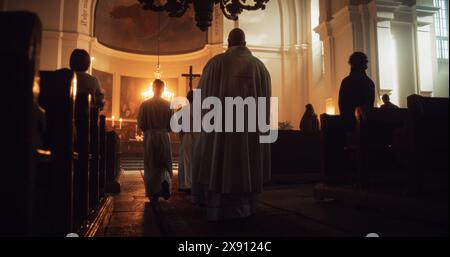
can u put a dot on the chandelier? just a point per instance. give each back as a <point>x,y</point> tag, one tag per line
<point>204,8</point>
<point>167,94</point>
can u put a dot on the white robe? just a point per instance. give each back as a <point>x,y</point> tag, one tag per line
<point>229,169</point>
<point>185,153</point>
<point>184,162</point>
<point>154,120</point>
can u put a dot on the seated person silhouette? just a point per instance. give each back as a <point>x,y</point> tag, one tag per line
<point>357,90</point>
<point>387,103</point>
<point>80,61</point>
<point>310,122</point>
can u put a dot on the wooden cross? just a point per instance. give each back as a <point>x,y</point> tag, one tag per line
<point>191,77</point>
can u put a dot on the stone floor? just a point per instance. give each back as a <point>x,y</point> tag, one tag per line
<point>287,208</point>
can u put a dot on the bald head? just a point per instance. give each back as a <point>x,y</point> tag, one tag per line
<point>236,38</point>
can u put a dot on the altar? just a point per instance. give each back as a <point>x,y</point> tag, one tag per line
<point>131,138</point>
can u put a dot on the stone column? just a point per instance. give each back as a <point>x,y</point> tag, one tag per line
<point>343,31</point>
<point>404,32</point>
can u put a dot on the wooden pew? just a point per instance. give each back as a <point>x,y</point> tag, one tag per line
<point>68,122</point>
<point>428,135</point>
<point>94,193</point>
<point>296,152</point>
<point>337,153</point>
<point>19,64</point>
<point>380,145</point>
<point>81,175</point>
<point>393,150</point>
<point>102,157</point>
<point>57,98</point>
<point>112,162</point>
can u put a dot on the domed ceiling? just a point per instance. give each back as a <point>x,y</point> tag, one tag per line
<point>125,26</point>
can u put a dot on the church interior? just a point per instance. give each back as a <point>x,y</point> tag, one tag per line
<point>79,170</point>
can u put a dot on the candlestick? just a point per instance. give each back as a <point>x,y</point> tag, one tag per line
<point>120,122</point>
<point>112,121</point>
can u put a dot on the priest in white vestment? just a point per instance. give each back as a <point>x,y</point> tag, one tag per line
<point>229,169</point>
<point>154,120</point>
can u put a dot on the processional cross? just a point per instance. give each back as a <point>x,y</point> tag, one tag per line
<point>191,77</point>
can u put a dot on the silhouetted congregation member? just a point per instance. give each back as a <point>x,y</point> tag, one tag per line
<point>80,61</point>
<point>233,166</point>
<point>357,90</point>
<point>310,121</point>
<point>185,156</point>
<point>387,104</point>
<point>154,120</point>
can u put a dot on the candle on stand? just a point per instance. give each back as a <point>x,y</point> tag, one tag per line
<point>112,121</point>
<point>120,122</point>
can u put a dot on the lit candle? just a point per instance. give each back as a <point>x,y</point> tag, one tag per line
<point>112,120</point>
<point>120,122</point>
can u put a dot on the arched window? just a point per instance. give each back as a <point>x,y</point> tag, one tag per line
<point>262,28</point>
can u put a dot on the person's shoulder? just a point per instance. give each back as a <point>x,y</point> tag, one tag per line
<point>214,61</point>
<point>147,102</point>
<point>370,84</point>
<point>346,81</point>
<point>86,76</point>
<point>258,62</point>
<point>393,106</point>
<point>217,58</point>
<point>165,102</point>
<point>158,102</point>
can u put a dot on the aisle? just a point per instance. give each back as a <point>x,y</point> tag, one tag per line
<point>287,208</point>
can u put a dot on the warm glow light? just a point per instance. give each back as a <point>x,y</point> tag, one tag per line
<point>168,95</point>
<point>92,65</point>
<point>36,86</point>
<point>74,86</point>
<point>330,108</point>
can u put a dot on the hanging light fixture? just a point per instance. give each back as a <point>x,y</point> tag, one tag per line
<point>204,8</point>
<point>158,73</point>
<point>168,95</point>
